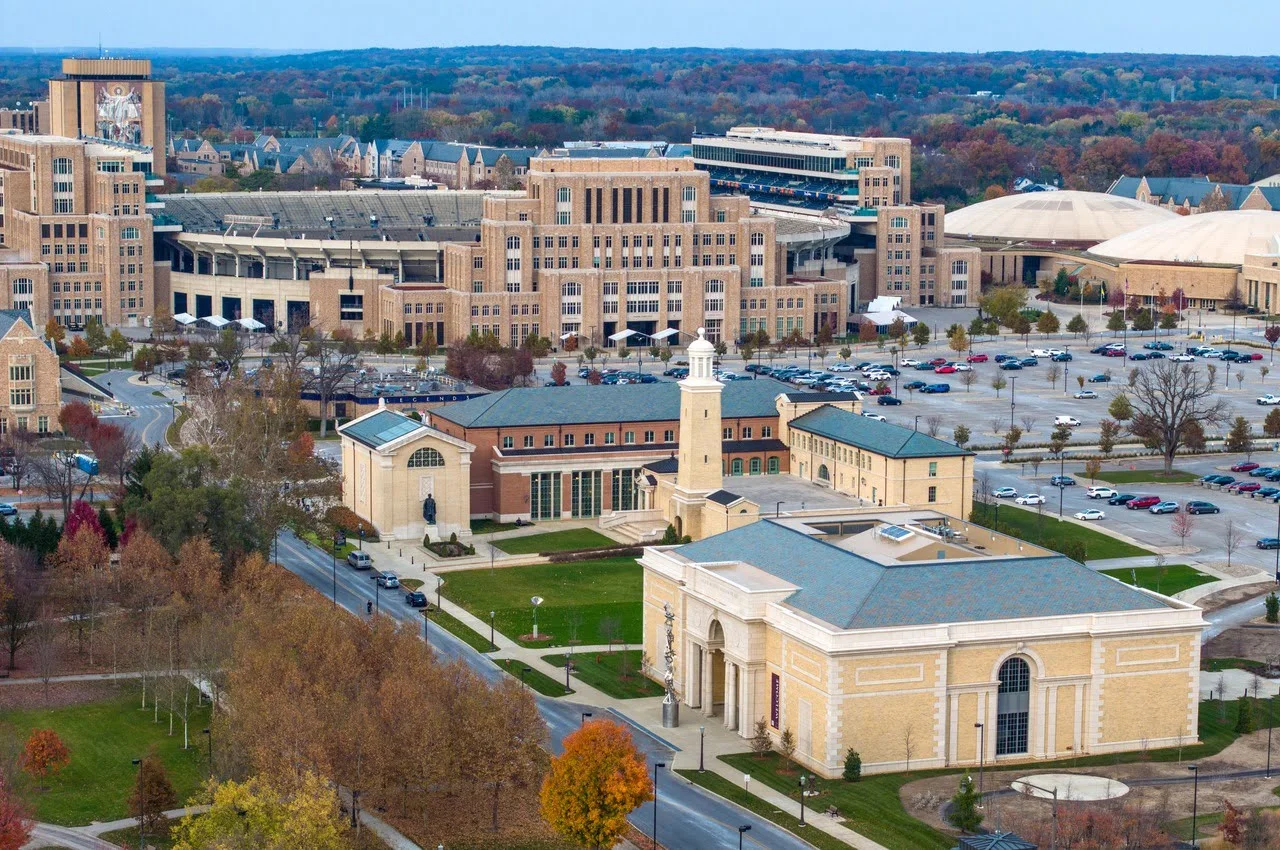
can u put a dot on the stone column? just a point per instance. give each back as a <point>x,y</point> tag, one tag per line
<point>693,675</point>
<point>730,695</point>
<point>708,685</point>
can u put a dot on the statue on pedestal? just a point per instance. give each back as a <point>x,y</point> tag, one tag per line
<point>429,510</point>
<point>670,704</point>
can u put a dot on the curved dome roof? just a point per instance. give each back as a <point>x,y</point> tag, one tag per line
<point>1215,237</point>
<point>1066,216</point>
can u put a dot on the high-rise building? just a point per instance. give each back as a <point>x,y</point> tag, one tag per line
<point>112,99</point>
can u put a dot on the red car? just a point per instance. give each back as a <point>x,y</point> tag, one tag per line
<point>945,369</point>
<point>1113,352</point>
<point>977,358</point>
<point>882,389</point>
<point>1245,486</point>
<point>1255,356</point>
<point>1244,467</point>
<point>1142,502</point>
<point>938,361</point>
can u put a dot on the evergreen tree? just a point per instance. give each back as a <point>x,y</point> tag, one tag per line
<point>1077,325</point>
<point>1271,425</point>
<point>1240,437</point>
<point>109,533</point>
<point>965,815</point>
<point>1143,321</point>
<point>1116,322</point>
<point>1120,408</point>
<point>1244,716</point>
<point>852,766</point>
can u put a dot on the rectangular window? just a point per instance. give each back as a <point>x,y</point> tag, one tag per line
<point>668,436</point>
<point>528,441</point>
<point>588,439</point>
<point>549,441</point>
<point>933,469</point>
<point>608,438</point>
<point>933,494</point>
<point>568,439</point>
<point>629,438</point>
<point>648,436</point>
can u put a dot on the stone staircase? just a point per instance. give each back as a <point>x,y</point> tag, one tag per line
<point>640,527</point>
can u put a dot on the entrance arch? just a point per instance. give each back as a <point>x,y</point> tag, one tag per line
<point>1013,703</point>
<point>715,657</point>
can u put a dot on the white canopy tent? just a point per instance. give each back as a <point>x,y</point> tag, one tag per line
<point>215,321</point>
<point>667,334</point>
<point>185,319</point>
<point>250,324</point>
<point>624,334</point>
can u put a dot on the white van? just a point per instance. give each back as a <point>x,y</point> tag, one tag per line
<point>1069,421</point>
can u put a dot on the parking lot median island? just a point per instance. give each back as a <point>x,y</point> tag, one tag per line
<point>460,630</point>
<point>1135,476</point>
<point>1051,532</point>
<point>1169,579</point>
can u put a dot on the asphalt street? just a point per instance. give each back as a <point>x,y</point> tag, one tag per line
<point>688,817</point>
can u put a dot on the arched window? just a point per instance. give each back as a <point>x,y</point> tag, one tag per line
<point>757,239</point>
<point>62,165</point>
<point>959,267</point>
<point>1013,702</point>
<point>425,458</point>
<point>570,289</point>
<point>736,466</point>
<point>898,221</point>
<point>823,473</point>
<point>562,195</point>
<point>773,465</point>
<point>755,466</point>
<point>513,243</point>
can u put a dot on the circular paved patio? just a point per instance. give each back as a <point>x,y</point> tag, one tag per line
<point>1070,786</point>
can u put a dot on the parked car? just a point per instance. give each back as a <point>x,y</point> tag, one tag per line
<point>945,369</point>
<point>1100,493</point>
<point>1062,481</point>
<point>1268,543</point>
<point>1247,466</point>
<point>1011,365</point>
<point>1000,358</point>
<point>1099,349</point>
<point>876,416</point>
<point>925,367</point>
<point>1091,513</point>
<point>977,358</point>
<point>1121,499</point>
<point>878,376</point>
<point>415,599</point>
<point>1137,355</point>
<point>1156,355</point>
<point>1030,499</point>
<point>1069,421</point>
<point>387,580</point>
<point>1158,346</point>
<point>359,560</point>
<point>1261,472</point>
<point>1030,361</point>
<point>1245,487</point>
<point>1100,379</point>
<point>1268,492</point>
<point>889,400</point>
<point>1041,352</point>
<point>914,385</point>
<point>937,361</point>
<point>1269,398</point>
<point>1085,394</point>
<point>1199,507</point>
<point>1113,352</point>
<point>882,389</point>
<point>909,361</point>
<point>1140,502</point>
<point>937,388</point>
<point>1166,507</point>
<point>7,509</point>
<point>961,367</point>
<point>1181,358</point>
<point>1004,493</point>
<point>1061,357</point>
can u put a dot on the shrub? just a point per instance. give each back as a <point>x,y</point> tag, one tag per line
<point>787,743</point>
<point>761,743</point>
<point>1244,719</point>
<point>852,766</point>
<point>346,520</point>
<point>1273,608</point>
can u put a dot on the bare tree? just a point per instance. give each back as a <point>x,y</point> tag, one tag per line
<point>1183,524</point>
<point>22,580</point>
<point>997,424</point>
<point>908,745</point>
<point>968,379</point>
<point>1053,374</point>
<point>334,361</point>
<point>44,651</point>
<point>20,447</point>
<point>58,477</point>
<point>1028,423</point>
<point>1167,397</point>
<point>933,425</point>
<point>1231,539</point>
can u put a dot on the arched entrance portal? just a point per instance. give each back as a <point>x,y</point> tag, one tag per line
<point>1013,703</point>
<point>715,657</point>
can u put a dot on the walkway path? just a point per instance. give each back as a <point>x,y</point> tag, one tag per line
<point>86,837</point>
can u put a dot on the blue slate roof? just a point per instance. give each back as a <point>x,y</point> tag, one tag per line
<point>882,438</point>
<point>584,404</point>
<point>8,318</point>
<point>852,592</point>
<point>381,428</point>
<point>1193,190</point>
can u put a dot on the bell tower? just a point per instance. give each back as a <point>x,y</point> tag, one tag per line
<point>700,467</point>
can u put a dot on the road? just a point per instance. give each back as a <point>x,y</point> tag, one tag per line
<point>688,817</point>
<point>154,413</point>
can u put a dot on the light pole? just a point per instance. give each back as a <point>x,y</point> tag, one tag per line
<point>1013,396</point>
<point>439,584</point>
<point>803,783</point>
<point>493,647</point>
<point>1278,535</point>
<point>583,722</point>
<point>1053,840</point>
<point>702,749</point>
<point>1271,710</point>
<point>333,550</point>
<point>657,765</point>
<point>377,596</point>
<point>982,756</point>
<point>362,537</point>
<point>142,805</point>
<point>916,427</point>
<point>1195,799</point>
<point>742,829</point>
<point>567,665</point>
<point>210,734</point>
<point>524,670</point>
<point>426,620</point>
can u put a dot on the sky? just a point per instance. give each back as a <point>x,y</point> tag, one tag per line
<point>1095,26</point>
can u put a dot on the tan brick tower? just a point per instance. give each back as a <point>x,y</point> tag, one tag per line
<point>700,471</point>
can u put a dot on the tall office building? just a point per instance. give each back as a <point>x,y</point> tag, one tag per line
<point>112,99</point>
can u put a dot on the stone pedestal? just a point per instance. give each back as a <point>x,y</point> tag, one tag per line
<point>670,714</point>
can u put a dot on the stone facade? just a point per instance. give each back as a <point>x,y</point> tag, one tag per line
<point>114,99</point>
<point>30,389</point>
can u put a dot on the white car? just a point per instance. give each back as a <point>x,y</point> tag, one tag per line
<point>1269,399</point>
<point>876,416</point>
<point>1030,499</point>
<point>1211,353</point>
<point>910,361</point>
<point>1100,492</point>
<point>1041,352</point>
<point>841,367</point>
<point>1004,492</point>
<point>1054,352</point>
<point>962,367</point>
<point>1091,513</point>
<point>1116,346</point>
<point>1069,421</point>
<point>1182,358</point>
<point>1085,394</point>
<point>879,376</point>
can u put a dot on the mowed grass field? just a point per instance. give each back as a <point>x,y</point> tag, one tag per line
<point>104,738</point>
<point>1027,525</point>
<point>594,594</point>
<point>1169,579</point>
<point>555,541</point>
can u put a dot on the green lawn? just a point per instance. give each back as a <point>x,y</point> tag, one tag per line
<point>488,526</point>
<point>411,583</point>
<point>326,545</point>
<point>1143,476</point>
<point>1027,526</point>
<point>1169,579</point>
<point>594,593</point>
<point>603,671</point>
<point>535,679</point>
<point>555,541</point>
<point>103,738</point>
<point>871,806</point>
<point>459,629</point>
<point>875,810</point>
<point>1217,665</point>
<point>717,784</point>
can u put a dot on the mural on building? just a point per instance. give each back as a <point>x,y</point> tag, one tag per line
<point>119,113</point>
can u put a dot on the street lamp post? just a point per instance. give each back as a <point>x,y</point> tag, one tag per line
<point>426,621</point>
<point>142,805</point>
<point>1013,397</point>
<point>916,427</point>
<point>982,755</point>
<point>803,783</point>
<point>742,829</point>
<point>377,596</point>
<point>702,749</point>
<point>493,647</point>
<point>1278,547</point>
<point>524,670</point>
<point>583,722</point>
<point>439,584</point>
<point>567,665</point>
<point>333,550</point>
<point>1053,840</point>
<point>1195,799</point>
<point>362,537</point>
<point>656,767</point>
<point>1271,710</point>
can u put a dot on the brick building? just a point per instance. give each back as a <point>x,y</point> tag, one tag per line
<point>30,389</point>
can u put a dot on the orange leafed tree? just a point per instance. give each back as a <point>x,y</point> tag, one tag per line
<point>592,787</point>
<point>44,755</point>
<point>15,824</point>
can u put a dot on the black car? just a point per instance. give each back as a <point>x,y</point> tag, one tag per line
<point>1100,349</point>
<point>1121,499</point>
<point>1061,357</point>
<point>914,385</point>
<point>415,599</point>
<point>1000,358</point>
<point>925,367</point>
<point>1011,365</point>
<point>1203,508</point>
<point>1030,361</point>
<point>888,399</point>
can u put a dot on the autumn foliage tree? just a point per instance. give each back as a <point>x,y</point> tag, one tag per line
<point>261,814</point>
<point>592,787</point>
<point>15,823</point>
<point>44,755</point>
<point>152,793</point>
